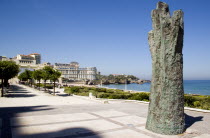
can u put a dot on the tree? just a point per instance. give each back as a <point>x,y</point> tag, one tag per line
<point>46,72</point>
<point>22,77</point>
<point>37,75</point>
<point>29,76</point>
<point>54,77</point>
<point>26,75</point>
<point>8,70</point>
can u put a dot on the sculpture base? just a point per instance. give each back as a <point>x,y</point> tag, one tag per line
<point>165,130</point>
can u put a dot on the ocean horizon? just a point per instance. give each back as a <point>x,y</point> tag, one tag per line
<point>201,87</point>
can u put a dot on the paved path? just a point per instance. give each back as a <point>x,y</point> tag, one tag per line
<point>26,112</point>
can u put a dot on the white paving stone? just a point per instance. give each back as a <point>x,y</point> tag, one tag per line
<point>191,131</point>
<point>110,113</point>
<point>63,124</point>
<point>203,136</point>
<point>40,98</point>
<point>63,129</point>
<point>131,120</point>
<point>158,135</point>
<point>125,133</point>
<point>45,119</point>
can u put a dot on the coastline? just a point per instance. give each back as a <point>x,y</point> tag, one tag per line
<point>122,87</point>
<point>191,87</point>
<point>192,101</point>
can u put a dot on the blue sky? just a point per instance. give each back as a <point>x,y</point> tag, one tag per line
<point>108,34</point>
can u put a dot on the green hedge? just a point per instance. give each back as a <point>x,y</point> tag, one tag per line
<point>143,96</point>
<point>202,102</point>
<point>106,93</point>
<point>37,84</point>
<point>48,86</point>
<point>100,89</point>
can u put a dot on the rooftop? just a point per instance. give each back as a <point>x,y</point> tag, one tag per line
<point>35,54</point>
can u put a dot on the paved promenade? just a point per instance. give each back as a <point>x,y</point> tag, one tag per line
<point>27,112</point>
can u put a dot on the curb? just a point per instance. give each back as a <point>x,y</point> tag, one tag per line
<point>198,110</point>
<point>106,101</point>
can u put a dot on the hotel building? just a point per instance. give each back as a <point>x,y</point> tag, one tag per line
<point>32,59</point>
<point>72,71</point>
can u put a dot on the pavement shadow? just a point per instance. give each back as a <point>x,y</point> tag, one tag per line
<point>18,92</point>
<point>76,132</point>
<point>190,120</point>
<point>6,130</point>
<point>19,95</point>
<point>15,87</point>
<point>63,95</point>
<point>7,112</point>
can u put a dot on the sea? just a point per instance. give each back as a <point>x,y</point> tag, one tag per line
<point>201,87</point>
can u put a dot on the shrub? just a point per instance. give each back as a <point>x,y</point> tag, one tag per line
<point>103,95</point>
<point>206,103</point>
<point>189,100</point>
<point>68,91</point>
<point>119,96</point>
<point>81,90</point>
<point>86,89</point>
<point>72,90</point>
<point>205,106</point>
<point>113,96</point>
<point>119,91</point>
<point>101,89</point>
<point>196,103</point>
<point>37,85</point>
<point>199,101</point>
<point>140,96</point>
<point>83,94</point>
<point>95,93</point>
<point>202,102</point>
<point>75,89</point>
<point>110,90</point>
<point>92,88</point>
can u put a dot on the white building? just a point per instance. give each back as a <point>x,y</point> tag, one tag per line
<point>31,59</point>
<point>73,72</point>
<point>24,60</point>
<point>37,57</point>
<point>4,58</point>
<point>70,71</point>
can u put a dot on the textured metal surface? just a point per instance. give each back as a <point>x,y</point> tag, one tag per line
<point>166,109</point>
